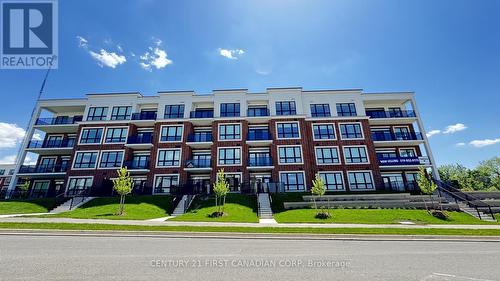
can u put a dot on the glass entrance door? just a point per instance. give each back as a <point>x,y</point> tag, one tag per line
<point>394,182</point>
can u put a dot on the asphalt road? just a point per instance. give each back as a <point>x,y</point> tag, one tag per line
<point>26,257</point>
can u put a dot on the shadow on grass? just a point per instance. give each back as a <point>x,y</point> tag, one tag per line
<point>160,201</point>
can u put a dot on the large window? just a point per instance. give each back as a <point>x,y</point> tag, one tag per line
<point>91,136</point>
<point>111,159</point>
<point>164,183</point>
<point>229,132</point>
<point>332,180</point>
<point>320,110</point>
<point>346,109</point>
<point>407,152</point>
<point>324,132</point>
<point>169,158</point>
<point>97,113</point>
<point>257,111</point>
<point>285,108</point>
<point>229,156</point>
<point>116,135</point>
<point>351,131</point>
<point>174,111</point>
<point>355,154</point>
<point>39,189</point>
<point>288,130</point>
<point>121,113</point>
<point>293,181</point>
<point>360,180</point>
<point>290,154</point>
<point>85,160</point>
<point>77,185</point>
<point>171,133</point>
<point>327,155</point>
<point>229,109</point>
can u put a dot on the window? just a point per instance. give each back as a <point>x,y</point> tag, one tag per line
<point>171,133</point>
<point>164,183</point>
<point>407,152</point>
<point>258,111</point>
<point>259,133</point>
<point>411,179</point>
<point>230,132</point>
<point>85,160</point>
<point>234,181</point>
<point>288,130</point>
<point>11,172</point>
<point>355,154</point>
<point>402,133</point>
<point>76,185</point>
<point>140,161</point>
<point>174,111</point>
<point>351,131</point>
<point>324,132</point>
<point>39,189</point>
<point>285,108</point>
<point>229,156</point>
<point>327,155</point>
<point>2,172</point>
<point>121,113</point>
<point>97,113</point>
<point>116,135</point>
<point>293,181</point>
<point>386,154</point>
<point>332,180</point>
<point>229,109</point>
<point>111,159</point>
<point>360,180</point>
<point>290,155</point>
<point>395,112</point>
<point>91,136</point>
<point>169,158</point>
<point>346,109</point>
<point>320,110</point>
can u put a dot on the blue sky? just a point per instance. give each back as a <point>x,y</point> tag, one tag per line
<point>445,51</point>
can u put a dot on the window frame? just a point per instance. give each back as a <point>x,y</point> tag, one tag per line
<point>156,176</point>
<point>330,147</point>
<point>287,122</point>
<point>127,115</point>
<point>230,124</point>
<point>356,163</point>
<point>351,123</point>
<point>157,165</point>
<point>171,125</point>
<point>407,148</point>
<point>294,172</point>
<point>291,145</point>
<point>323,124</point>
<point>85,151</point>
<point>290,102</point>
<point>334,172</point>
<point>236,112</point>
<point>323,106</point>
<point>103,132</point>
<point>118,127</point>
<point>361,171</point>
<point>229,147</point>
<point>32,188</point>
<point>107,151</point>
<point>350,111</point>
<point>172,116</point>
<point>102,117</point>
<point>79,177</point>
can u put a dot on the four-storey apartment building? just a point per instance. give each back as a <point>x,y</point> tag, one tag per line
<point>356,141</point>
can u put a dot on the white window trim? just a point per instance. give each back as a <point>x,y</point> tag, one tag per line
<point>85,128</point>
<point>47,157</point>
<point>163,149</point>
<point>106,118</point>
<point>85,151</point>
<point>366,151</point>
<point>225,165</point>
<point>338,154</point>
<point>241,178</point>
<point>361,171</point>
<point>129,118</point>
<point>290,145</point>
<point>37,181</point>
<point>116,127</point>
<point>298,190</point>
<point>347,123</point>
<point>163,175</point>
<point>111,150</point>
<point>334,131</point>
<point>400,126</point>
<point>78,177</point>
<point>223,124</point>
<point>406,148</point>
<point>335,172</point>
<point>55,135</point>
<point>287,122</point>
<point>171,125</point>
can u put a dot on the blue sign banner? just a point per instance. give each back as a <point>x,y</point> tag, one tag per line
<point>399,161</point>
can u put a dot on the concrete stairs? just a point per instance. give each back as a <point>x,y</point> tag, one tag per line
<point>471,211</point>
<point>265,211</point>
<point>77,202</point>
<point>183,205</point>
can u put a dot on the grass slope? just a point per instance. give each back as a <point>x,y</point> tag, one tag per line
<point>40,205</point>
<point>238,207</point>
<point>136,208</point>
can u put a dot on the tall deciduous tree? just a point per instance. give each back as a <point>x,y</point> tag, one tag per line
<point>123,186</point>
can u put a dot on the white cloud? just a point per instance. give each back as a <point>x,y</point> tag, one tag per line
<point>155,57</point>
<point>119,47</point>
<point>460,144</point>
<point>109,59</point>
<point>454,128</point>
<point>82,42</point>
<point>10,135</point>
<point>262,72</point>
<point>485,142</point>
<point>10,159</point>
<point>233,54</point>
<point>432,133</point>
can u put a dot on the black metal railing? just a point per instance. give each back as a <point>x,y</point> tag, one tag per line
<point>390,114</point>
<point>52,143</point>
<point>257,135</point>
<point>257,112</point>
<point>39,169</point>
<point>140,139</point>
<point>146,115</point>
<point>60,120</point>
<point>200,137</point>
<point>136,165</point>
<point>198,163</point>
<point>77,196</point>
<point>260,161</point>
<point>390,136</point>
<point>201,114</point>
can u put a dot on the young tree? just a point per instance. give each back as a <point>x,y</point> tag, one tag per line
<point>24,189</point>
<point>123,186</point>
<point>318,189</point>
<point>221,189</point>
<point>428,186</point>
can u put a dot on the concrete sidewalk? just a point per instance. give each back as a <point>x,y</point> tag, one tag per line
<point>234,224</point>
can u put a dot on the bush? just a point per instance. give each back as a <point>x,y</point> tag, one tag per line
<point>439,214</point>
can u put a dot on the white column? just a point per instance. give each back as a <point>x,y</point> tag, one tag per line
<point>21,155</point>
<point>435,173</point>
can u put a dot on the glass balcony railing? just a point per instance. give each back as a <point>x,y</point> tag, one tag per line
<point>52,143</point>
<point>200,137</point>
<point>146,115</point>
<point>36,169</point>
<point>260,161</point>
<point>140,139</point>
<point>198,163</point>
<point>389,136</point>
<point>60,120</point>
<point>136,165</point>
<point>256,135</point>
<point>257,112</point>
<point>390,114</point>
<point>201,114</point>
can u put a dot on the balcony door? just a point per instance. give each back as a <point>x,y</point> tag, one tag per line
<point>393,182</point>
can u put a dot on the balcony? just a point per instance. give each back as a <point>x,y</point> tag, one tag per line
<point>258,112</point>
<point>201,114</point>
<point>133,166</point>
<point>43,169</point>
<point>400,162</point>
<point>198,165</point>
<point>200,140</point>
<point>260,163</point>
<point>259,138</point>
<point>52,147</point>
<point>60,124</point>
<point>140,140</point>
<point>389,138</point>
<point>146,115</point>
<point>391,114</point>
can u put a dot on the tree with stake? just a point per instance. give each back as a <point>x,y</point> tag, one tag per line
<point>428,186</point>
<point>319,189</point>
<point>123,186</point>
<point>221,189</point>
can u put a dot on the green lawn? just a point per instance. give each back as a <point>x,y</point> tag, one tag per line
<point>234,229</point>
<point>136,208</point>
<point>238,208</point>
<point>40,205</point>
<point>374,216</point>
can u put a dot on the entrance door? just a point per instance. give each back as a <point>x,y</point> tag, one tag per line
<point>200,184</point>
<point>260,182</point>
<point>40,189</point>
<point>394,182</point>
